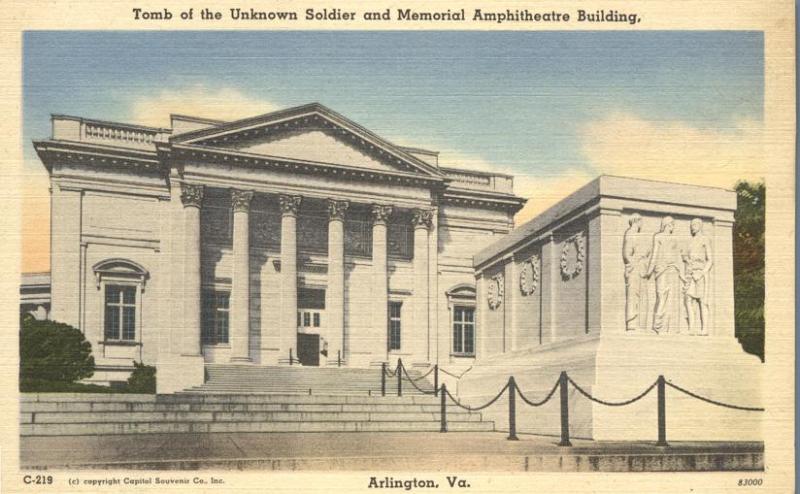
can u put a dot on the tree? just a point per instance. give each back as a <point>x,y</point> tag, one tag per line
<point>53,351</point>
<point>748,266</point>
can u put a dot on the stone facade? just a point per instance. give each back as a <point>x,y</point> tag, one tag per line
<point>296,235</point>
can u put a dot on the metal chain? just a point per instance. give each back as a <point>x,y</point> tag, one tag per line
<point>476,409</point>
<point>713,402</point>
<point>415,384</point>
<point>390,373</point>
<point>422,376</point>
<point>538,403</point>
<point>612,403</point>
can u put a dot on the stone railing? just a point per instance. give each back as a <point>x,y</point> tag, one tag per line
<point>479,180</point>
<point>110,133</point>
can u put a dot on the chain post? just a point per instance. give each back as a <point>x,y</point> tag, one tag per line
<point>383,378</point>
<point>436,380</point>
<point>563,385</point>
<point>339,358</point>
<point>290,357</point>
<point>443,411</point>
<point>512,409</point>
<point>662,413</point>
<point>399,377</point>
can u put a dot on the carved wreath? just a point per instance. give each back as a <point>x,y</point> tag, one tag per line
<point>568,272</point>
<point>495,291</point>
<point>529,276</point>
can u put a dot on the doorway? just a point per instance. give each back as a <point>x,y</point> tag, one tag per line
<point>308,349</point>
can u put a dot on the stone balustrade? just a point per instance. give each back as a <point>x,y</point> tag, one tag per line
<point>479,180</point>
<point>69,128</point>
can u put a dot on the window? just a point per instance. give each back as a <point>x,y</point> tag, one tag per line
<point>120,313</point>
<point>216,308</point>
<point>120,292</point>
<point>464,330</point>
<point>394,325</point>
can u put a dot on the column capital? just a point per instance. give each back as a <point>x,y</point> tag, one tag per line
<point>289,204</point>
<point>380,214</point>
<point>240,199</point>
<point>337,209</point>
<point>422,218</point>
<point>192,195</point>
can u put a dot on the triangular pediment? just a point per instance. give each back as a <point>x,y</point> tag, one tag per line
<point>310,133</point>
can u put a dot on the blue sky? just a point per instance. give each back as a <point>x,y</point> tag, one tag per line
<point>516,99</point>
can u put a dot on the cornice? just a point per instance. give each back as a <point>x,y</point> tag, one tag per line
<point>51,151</point>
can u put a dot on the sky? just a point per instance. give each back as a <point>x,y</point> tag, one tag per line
<point>554,109</point>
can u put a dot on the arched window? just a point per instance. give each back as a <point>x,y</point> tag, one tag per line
<point>121,283</point>
<point>461,303</point>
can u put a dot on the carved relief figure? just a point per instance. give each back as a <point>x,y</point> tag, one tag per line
<point>635,255</point>
<point>664,264</point>
<point>697,262</point>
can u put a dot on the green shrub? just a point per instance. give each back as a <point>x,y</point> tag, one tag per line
<point>142,380</point>
<point>53,351</point>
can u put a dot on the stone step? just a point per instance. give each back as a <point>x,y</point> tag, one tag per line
<point>37,407</point>
<point>75,429</point>
<point>110,417</point>
<point>225,397</point>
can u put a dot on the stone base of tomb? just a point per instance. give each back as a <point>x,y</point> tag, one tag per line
<point>617,368</point>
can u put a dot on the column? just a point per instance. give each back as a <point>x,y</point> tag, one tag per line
<point>380,286</point>
<point>422,220</point>
<point>334,295</point>
<point>288,317</point>
<point>240,284</point>
<point>192,199</point>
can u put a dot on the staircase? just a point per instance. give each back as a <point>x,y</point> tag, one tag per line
<point>237,398</point>
<point>222,378</point>
<point>65,414</point>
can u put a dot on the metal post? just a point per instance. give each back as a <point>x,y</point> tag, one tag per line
<point>383,378</point>
<point>436,380</point>
<point>512,409</point>
<point>290,356</point>
<point>443,411</point>
<point>563,385</point>
<point>662,413</point>
<point>399,377</point>
<point>339,358</point>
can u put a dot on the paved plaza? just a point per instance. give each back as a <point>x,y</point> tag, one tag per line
<point>385,451</point>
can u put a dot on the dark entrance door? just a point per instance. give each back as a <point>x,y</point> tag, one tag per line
<point>308,349</point>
